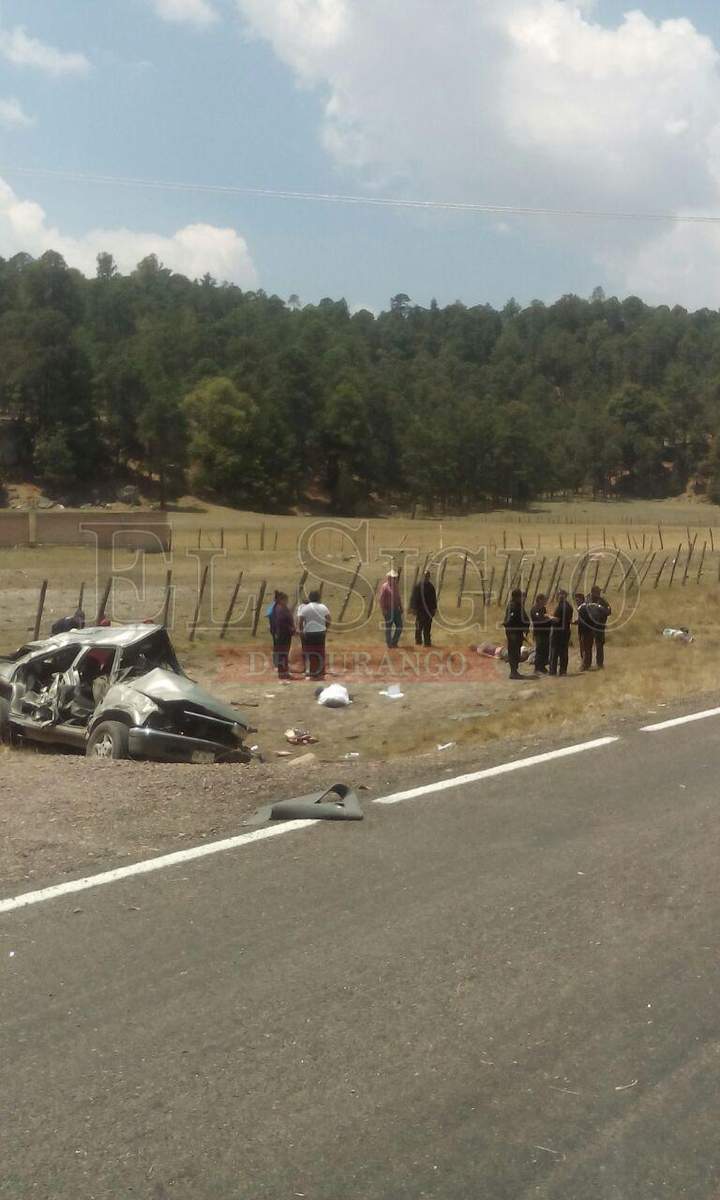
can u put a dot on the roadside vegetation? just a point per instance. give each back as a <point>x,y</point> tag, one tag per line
<point>259,403</point>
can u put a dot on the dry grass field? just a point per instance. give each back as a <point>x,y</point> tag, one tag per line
<point>658,562</point>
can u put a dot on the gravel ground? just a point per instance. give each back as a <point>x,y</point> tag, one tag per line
<point>62,815</point>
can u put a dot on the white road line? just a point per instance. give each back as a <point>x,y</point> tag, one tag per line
<point>150,864</point>
<point>183,856</point>
<point>461,780</point>
<point>701,716</point>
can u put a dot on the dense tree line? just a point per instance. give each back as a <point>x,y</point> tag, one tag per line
<point>256,402</point>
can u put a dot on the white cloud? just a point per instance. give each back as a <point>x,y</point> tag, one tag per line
<point>191,251</point>
<point>193,12</point>
<point>13,116</point>
<point>527,102</point>
<point>24,51</point>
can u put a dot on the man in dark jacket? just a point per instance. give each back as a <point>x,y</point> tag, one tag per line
<point>560,635</point>
<point>516,629</point>
<point>542,625</point>
<point>423,603</point>
<point>67,624</point>
<point>596,611</point>
<point>583,628</point>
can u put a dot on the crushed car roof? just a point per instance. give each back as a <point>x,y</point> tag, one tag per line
<point>97,635</point>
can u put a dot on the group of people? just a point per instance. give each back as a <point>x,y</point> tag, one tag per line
<point>311,621</point>
<point>423,606</point>
<point>552,631</point>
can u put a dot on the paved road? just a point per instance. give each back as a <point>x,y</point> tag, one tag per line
<point>504,991</point>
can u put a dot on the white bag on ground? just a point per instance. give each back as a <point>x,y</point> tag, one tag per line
<point>334,696</point>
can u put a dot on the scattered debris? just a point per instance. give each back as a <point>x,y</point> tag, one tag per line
<point>352,754</point>
<point>470,716</point>
<point>625,1086</point>
<point>283,754</point>
<point>303,761</point>
<point>335,695</point>
<point>299,737</point>
<point>393,692</point>
<point>338,803</point>
<point>447,746</point>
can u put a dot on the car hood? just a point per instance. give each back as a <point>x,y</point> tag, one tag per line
<point>167,688</point>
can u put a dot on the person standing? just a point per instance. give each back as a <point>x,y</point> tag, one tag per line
<point>516,629</point>
<point>541,625</point>
<point>282,627</point>
<point>583,628</point>
<point>423,603</point>
<point>560,635</point>
<point>313,622</point>
<point>391,609</point>
<point>597,611</point>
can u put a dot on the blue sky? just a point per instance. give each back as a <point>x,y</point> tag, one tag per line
<point>543,103</point>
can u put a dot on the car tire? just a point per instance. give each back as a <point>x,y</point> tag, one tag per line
<point>109,740</point>
<point>5,728</point>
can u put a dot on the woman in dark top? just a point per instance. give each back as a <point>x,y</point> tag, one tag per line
<point>560,635</point>
<point>282,627</point>
<point>541,624</point>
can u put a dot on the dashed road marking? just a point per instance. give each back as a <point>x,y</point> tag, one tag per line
<point>701,716</point>
<point>490,772</point>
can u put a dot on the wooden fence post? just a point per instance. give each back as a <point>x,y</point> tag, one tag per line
<point>201,593</point>
<point>538,581</point>
<point>674,566</point>
<point>81,597</point>
<point>262,536</point>
<point>461,589</point>
<point>258,606</point>
<point>702,560</point>
<point>231,607</point>
<point>662,544</point>
<point>349,593</point>
<point>40,607</point>
<point>646,572</point>
<point>502,583</point>
<point>301,587</point>
<point>168,594</point>
<point>691,551</point>
<point>662,568</point>
<point>104,601</point>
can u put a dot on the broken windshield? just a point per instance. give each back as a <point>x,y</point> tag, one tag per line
<point>153,652</point>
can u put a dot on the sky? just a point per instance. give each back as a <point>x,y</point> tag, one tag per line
<point>554,104</point>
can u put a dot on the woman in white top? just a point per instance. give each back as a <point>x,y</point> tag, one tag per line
<point>313,621</point>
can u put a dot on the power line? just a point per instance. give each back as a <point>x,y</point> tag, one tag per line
<point>496,210</point>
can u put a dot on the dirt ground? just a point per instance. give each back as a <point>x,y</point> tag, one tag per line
<point>62,814</point>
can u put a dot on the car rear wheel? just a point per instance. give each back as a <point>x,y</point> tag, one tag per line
<point>5,731</point>
<point>109,740</point>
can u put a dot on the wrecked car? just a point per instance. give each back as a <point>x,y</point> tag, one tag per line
<point>116,693</point>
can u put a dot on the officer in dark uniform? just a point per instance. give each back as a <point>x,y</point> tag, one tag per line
<point>516,629</point>
<point>542,626</point>
<point>560,634</point>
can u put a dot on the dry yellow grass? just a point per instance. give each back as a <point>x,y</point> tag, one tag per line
<point>643,671</point>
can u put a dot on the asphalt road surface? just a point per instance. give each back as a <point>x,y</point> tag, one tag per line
<point>503,990</point>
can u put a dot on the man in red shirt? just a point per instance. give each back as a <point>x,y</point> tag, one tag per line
<point>392,609</point>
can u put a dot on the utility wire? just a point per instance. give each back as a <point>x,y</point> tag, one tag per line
<point>508,210</point>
